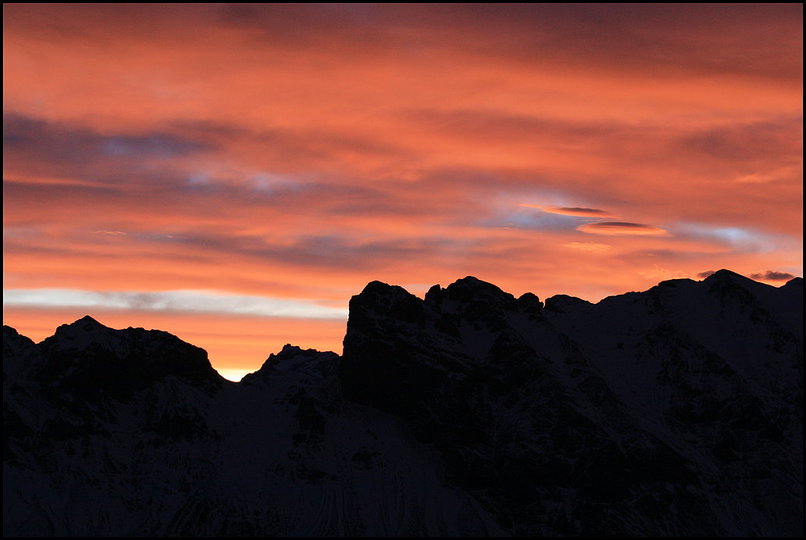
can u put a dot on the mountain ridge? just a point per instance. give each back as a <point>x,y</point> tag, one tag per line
<point>468,412</point>
<point>87,321</point>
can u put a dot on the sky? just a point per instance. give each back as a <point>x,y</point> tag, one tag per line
<point>233,174</point>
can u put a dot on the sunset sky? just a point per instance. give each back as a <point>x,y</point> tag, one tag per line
<point>233,174</point>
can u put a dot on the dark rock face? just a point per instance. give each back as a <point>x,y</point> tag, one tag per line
<point>90,358</point>
<point>100,426</point>
<point>675,411</point>
<point>632,416</point>
<point>131,433</point>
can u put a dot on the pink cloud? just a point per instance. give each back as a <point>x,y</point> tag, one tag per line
<point>301,151</point>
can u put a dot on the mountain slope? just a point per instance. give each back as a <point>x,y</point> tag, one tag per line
<point>675,411</point>
<point>176,450</point>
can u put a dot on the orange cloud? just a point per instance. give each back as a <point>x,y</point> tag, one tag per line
<point>298,152</point>
<point>589,247</point>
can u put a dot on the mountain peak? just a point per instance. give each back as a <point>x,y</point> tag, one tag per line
<point>471,280</point>
<point>83,330</point>
<point>92,358</point>
<point>725,282</point>
<point>794,282</point>
<point>474,283</point>
<point>294,359</point>
<point>87,324</point>
<point>82,333</point>
<point>725,275</point>
<point>378,297</point>
<point>19,352</point>
<point>562,303</point>
<point>379,287</point>
<point>289,349</point>
<point>472,289</point>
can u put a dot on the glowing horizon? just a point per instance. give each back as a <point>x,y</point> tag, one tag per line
<point>225,330</point>
<point>279,157</point>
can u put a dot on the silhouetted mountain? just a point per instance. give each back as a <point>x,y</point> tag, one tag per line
<point>643,414</point>
<point>675,411</point>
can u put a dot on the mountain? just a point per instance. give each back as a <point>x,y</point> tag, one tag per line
<point>674,411</point>
<point>175,450</point>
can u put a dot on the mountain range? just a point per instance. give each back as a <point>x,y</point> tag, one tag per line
<point>673,411</point>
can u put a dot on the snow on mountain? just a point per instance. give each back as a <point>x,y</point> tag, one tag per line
<point>675,411</point>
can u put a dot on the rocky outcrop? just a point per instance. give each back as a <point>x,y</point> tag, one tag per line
<point>631,416</point>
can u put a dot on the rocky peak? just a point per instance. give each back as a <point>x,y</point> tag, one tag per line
<point>380,298</point>
<point>95,358</point>
<point>13,341</point>
<point>736,290</point>
<point>478,300</point>
<point>562,303</point>
<point>471,290</point>
<point>725,274</point>
<point>20,354</point>
<point>81,334</point>
<point>434,295</point>
<point>726,278</point>
<point>383,293</point>
<point>530,303</point>
<point>84,324</point>
<point>295,359</point>
<point>794,284</point>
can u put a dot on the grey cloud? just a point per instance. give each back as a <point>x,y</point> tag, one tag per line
<point>67,143</point>
<point>539,221</point>
<point>618,225</point>
<point>331,251</point>
<point>220,303</point>
<point>581,209</point>
<point>772,275</point>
